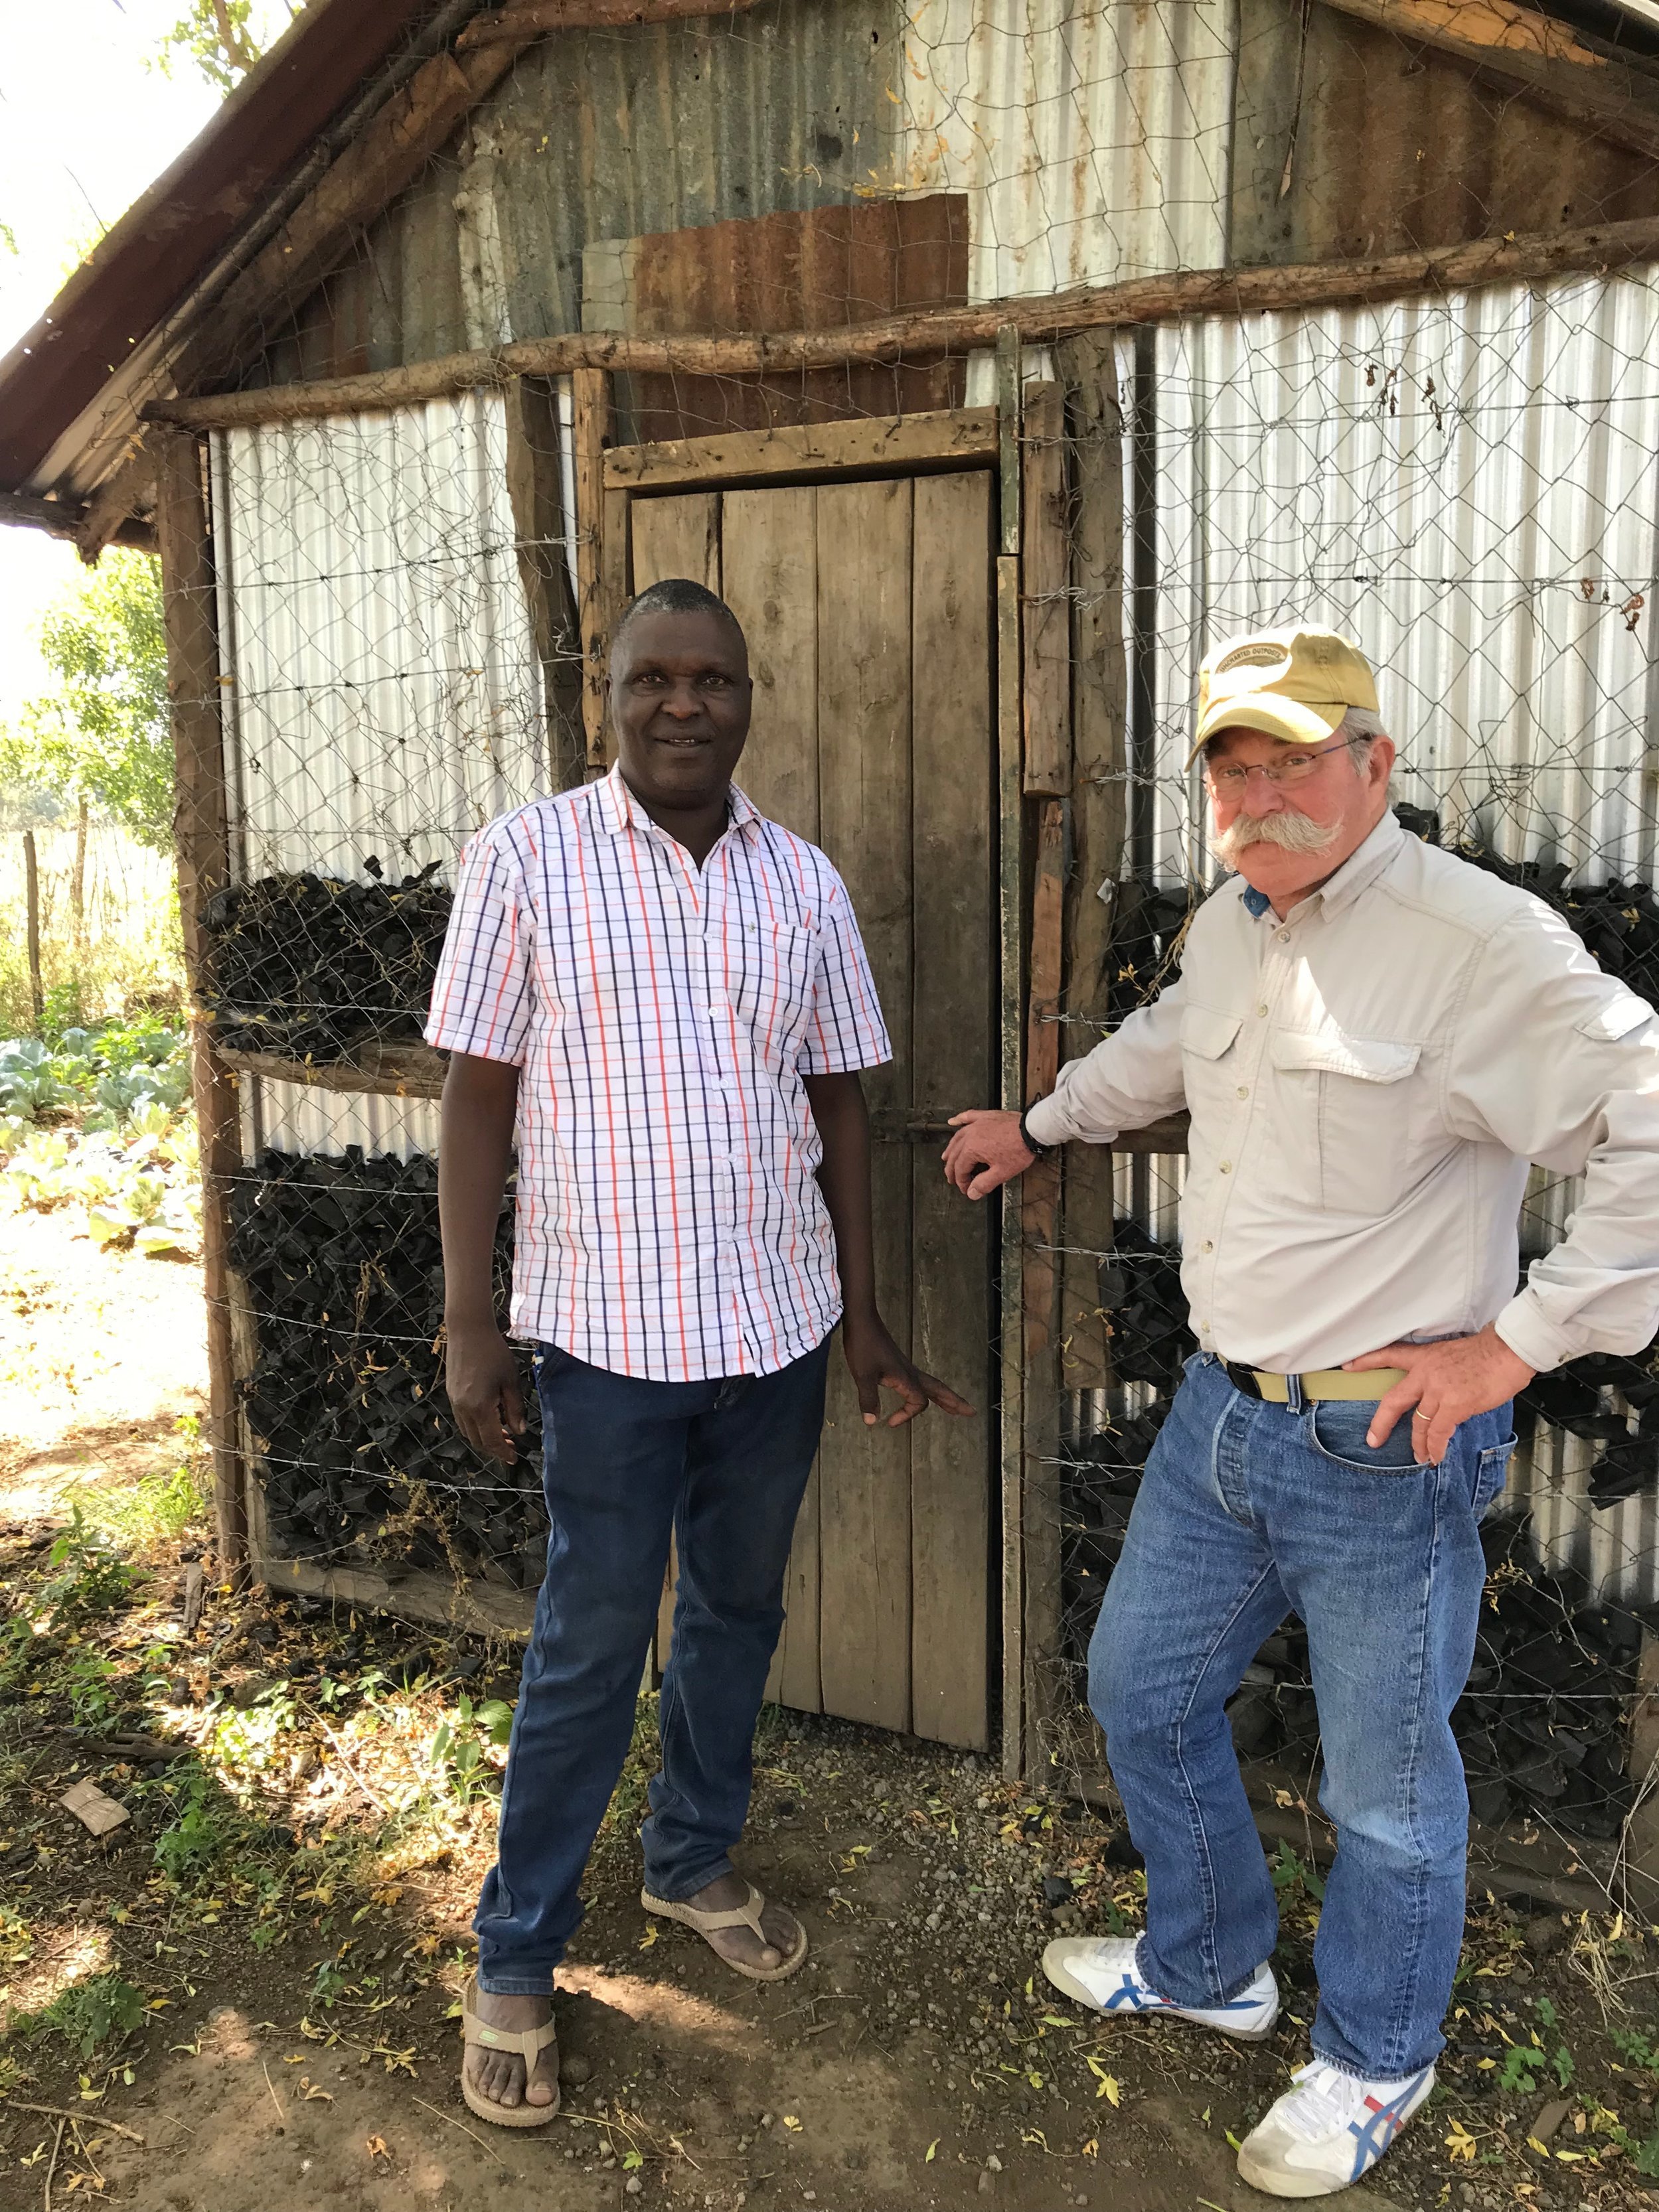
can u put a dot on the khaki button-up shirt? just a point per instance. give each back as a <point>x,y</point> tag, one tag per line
<point>1368,1080</point>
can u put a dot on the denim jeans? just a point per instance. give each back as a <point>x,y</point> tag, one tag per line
<point>723,1464</point>
<point>1246,1512</point>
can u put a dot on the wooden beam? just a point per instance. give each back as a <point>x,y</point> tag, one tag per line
<point>58,518</point>
<point>1533,52</point>
<point>387,1071</point>
<point>1531,258</point>
<point>1045,608</point>
<point>890,444</point>
<point>1040,1194</point>
<point>1168,1135</point>
<point>590,427</point>
<point>538,19</point>
<point>534,487</point>
<point>201,842</point>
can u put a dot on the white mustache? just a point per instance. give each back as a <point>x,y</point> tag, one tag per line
<point>1292,832</point>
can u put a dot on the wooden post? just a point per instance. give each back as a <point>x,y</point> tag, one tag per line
<point>590,412</point>
<point>533,473</point>
<point>1045,601</point>
<point>1040,1193</point>
<point>78,886</point>
<point>1011,965</point>
<point>1641,1840</point>
<point>32,894</point>
<point>201,841</point>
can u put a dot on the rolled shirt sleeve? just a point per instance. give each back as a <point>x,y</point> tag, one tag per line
<point>481,1002</point>
<point>1558,1062</point>
<point>844,1031</point>
<point>1131,1078</point>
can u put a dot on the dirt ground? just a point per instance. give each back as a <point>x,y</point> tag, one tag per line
<point>242,1999</point>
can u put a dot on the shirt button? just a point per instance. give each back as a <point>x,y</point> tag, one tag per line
<point>1244,1090</point>
<point>1261,1010</point>
<point>1227,1167</point>
<point>1208,1246</point>
<point>1283,935</point>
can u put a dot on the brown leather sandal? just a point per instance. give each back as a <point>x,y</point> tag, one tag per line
<point>743,1916</point>
<point>528,2044</point>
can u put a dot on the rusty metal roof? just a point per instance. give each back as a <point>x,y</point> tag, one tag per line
<point>153,258</point>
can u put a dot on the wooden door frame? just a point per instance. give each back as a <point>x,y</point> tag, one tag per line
<point>1022,439</point>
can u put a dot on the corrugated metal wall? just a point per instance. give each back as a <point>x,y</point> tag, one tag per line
<point>1092,140</point>
<point>1470,487</point>
<point>383,697</point>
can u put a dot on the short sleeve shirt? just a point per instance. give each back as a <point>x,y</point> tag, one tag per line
<point>668,1223</point>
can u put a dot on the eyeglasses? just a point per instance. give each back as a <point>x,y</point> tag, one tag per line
<point>1232,779</point>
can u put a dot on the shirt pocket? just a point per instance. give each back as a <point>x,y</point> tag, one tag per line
<point>1209,1063</point>
<point>1343,1119</point>
<point>769,982</point>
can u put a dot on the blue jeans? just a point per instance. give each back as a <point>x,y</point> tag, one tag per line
<point>723,1464</point>
<point>1248,1511</point>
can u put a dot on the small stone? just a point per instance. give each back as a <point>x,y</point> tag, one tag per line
<point>1550,2118</point>
<point>1544,1933</point>
<point>633,2186</point>
<point>574,2070</point>
<point>987,2183</point>
<point>993,2163</point>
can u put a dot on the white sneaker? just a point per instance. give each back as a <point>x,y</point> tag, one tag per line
<point>1102,1973</point>
<point>1327,2131</point>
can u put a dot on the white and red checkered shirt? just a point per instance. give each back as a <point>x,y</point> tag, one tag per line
<point>669,1223</point>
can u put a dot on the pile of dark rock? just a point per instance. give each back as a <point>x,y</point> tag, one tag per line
<point>360,1461</point>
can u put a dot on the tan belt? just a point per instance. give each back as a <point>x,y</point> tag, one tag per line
<point>1323,1382</point>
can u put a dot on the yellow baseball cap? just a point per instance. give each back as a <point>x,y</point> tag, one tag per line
<point>1293,684</point>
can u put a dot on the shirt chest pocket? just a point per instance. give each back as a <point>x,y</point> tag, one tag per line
<point>769,980</point>
<point>1209,1063</point>
<point>1342,1108</point>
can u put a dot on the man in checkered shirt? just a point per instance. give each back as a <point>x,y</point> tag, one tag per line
<point>667,994</point>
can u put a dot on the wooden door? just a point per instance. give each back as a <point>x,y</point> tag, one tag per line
<point>868,611</point>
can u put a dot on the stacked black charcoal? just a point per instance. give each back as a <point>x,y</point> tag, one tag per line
<point>311,967</point>
<point>1145,956</point>
<point>362,1461</point>
<point>1151,1336</point>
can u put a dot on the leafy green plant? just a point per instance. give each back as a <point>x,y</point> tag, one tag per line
<point>205,1831</point>
<point>87,1680</point>
<point>154,1507</point>
<point>1290,1872</point>
<point>455,1760</point>
<point>87,1574</point>
<point>88,2014</point>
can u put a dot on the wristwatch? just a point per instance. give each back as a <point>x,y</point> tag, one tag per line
<point>1038,1150</point>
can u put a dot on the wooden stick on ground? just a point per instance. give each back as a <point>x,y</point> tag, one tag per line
<point>57,2113</point>
<point>57,2144</point>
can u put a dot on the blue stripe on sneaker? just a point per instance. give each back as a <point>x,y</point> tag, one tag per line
<point>1380,2130</point>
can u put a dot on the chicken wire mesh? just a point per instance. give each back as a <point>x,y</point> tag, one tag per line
<point>1468,487</point>
<point>1467,482</point>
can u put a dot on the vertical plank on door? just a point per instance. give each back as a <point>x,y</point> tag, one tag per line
<point>768,559</point>
<point>864,802</point>
<point>677,536</point>
<point>768,567</point>
<point>953,744</point>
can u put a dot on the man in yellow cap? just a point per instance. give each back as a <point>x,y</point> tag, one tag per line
<point>1374,1039</point>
